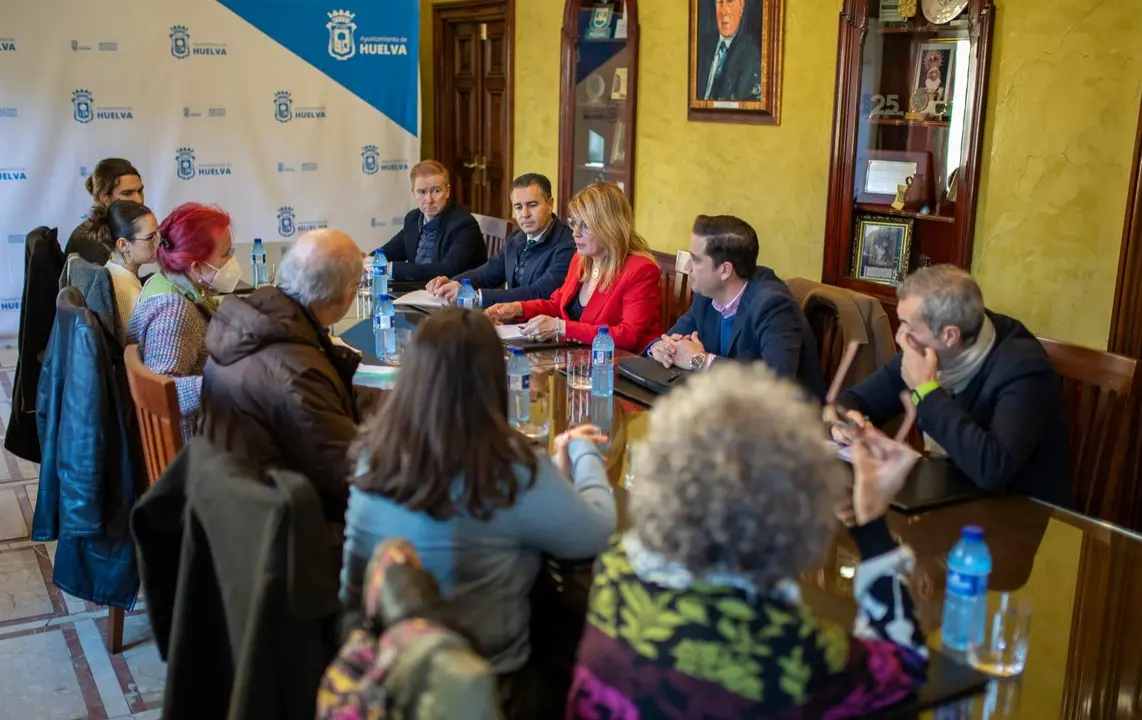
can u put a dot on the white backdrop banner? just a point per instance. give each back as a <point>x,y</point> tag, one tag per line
<point>289,114</point>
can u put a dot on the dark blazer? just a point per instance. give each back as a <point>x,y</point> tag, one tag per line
<point>241,587</point>
<point>92,469</point>
<point>43,263</point>
<point>459,246</point>
<point>740,78</point>
<point>277,392</point>
<point>769,326</point>
<point>1006,431</point>
<point>543,270</point>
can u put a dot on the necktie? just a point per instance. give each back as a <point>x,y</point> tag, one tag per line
<point>719,60</point>
<point>532,240</point>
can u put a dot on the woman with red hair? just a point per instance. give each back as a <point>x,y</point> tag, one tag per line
<point>196,264</point>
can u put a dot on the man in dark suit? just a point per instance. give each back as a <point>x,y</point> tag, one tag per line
<point>439,237</point>
<point>729,61</point>
<point>740,311</point>
<point>535,258</point>
<point>986,395</point>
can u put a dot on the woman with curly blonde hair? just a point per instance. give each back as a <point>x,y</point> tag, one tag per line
<point>612,281</point>
<point>695,611</point>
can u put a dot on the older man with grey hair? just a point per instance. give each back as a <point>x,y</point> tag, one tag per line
<point>987,396</point>
<point>275,389</point>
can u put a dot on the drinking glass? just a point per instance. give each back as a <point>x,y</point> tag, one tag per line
<point>365,293</point>
<point>403,337</point>
<point>538,423</point>
<point>578,374</point>
<point>1003,652</point>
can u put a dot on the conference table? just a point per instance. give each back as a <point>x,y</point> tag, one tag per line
<point>1082,577</point>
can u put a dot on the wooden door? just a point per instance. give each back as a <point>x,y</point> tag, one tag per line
<point>473,73</point>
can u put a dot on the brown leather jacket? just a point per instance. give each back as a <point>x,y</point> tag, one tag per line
<point>277,392</point>
<point>860,317</point>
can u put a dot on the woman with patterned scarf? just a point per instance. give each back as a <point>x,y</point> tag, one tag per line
<point>695,611</point>
<point>196,263</point>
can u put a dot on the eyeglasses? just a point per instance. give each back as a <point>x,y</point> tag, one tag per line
<point>578,225</point>
<point>149,237</point>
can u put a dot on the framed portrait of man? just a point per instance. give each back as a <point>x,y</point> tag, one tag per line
<point>735,60</point>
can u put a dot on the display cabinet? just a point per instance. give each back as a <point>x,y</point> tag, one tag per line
<point>597,98</point>
<point>908,132</point>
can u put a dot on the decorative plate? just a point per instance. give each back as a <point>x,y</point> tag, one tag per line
<point>939,12</point>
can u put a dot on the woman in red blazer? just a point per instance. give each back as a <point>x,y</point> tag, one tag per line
<point>612,281</point>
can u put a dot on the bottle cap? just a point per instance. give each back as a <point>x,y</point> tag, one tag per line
<point>972,532</point>
<point>604,330</point>
<point>515,350</point>
<point>385,298</point>
<point>466,283</point>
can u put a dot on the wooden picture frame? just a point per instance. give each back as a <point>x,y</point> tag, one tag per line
<point>881,249</point>
<point>934,77</point>
<point>921,190</point>
<point>747,89</point>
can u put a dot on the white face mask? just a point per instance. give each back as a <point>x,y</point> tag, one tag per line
<point>226,277</point>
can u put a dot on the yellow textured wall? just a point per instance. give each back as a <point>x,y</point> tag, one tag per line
<point>1062,114</point>
<point>774,177</point>
<point>1065,85</point>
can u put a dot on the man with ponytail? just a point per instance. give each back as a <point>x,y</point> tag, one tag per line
<point>113,179</point>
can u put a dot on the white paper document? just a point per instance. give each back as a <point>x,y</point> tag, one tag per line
<point>420,298</point>
<point>510,332</point>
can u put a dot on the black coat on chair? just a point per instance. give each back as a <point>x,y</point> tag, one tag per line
<point>43,263</point>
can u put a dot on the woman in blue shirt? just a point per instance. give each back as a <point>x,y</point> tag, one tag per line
<point>441,467</point>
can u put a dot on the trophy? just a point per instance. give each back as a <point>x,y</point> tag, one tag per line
<point>916,105</point>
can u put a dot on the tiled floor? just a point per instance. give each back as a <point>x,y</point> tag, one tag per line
<point>53,647</point>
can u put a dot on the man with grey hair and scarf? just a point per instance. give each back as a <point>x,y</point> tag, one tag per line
<point>276,390</point>
<point>986,395</point>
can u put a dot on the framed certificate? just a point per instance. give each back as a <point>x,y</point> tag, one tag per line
<point>881,172</point>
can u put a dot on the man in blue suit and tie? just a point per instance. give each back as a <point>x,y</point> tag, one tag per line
<point>741,311</point>
<point>535,258</point>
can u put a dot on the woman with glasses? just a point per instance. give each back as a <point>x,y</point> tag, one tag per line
<point>612,281</point>
<point>196,264</point>
<point>129,229</point>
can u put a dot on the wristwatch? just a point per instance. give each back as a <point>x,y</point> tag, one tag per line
<point>698,361</point>
<point>922,391</point>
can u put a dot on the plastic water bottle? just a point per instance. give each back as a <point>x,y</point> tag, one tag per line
<point>965,601</point>
<point>380,276</point>
<point>466,296</point>
<point>603,364</point>
<point>259,271</point>
<point>384,327</point>
<point>519,389</point>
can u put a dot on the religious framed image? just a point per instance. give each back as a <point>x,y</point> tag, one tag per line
<point>735,60</point>
<point>881,247</point>
<point>933,79</point>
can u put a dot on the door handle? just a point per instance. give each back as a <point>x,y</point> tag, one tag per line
<point>471,165</point>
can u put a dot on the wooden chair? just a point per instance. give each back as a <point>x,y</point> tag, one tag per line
<point>495,232</point>
<point>1101,390</point>
<point>673,287</point>
<point>156,407</point>
<point>824,322</point>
